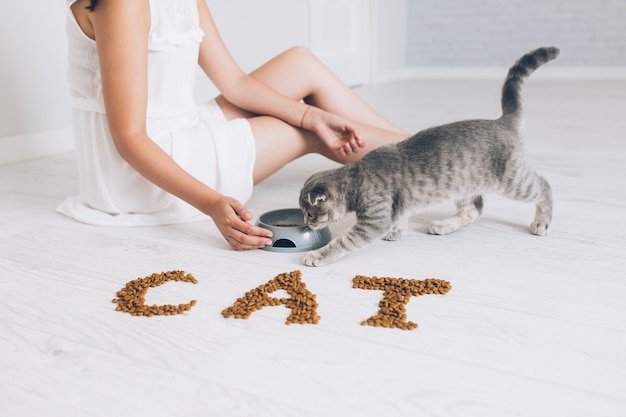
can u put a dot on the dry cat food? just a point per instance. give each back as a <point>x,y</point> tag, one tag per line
<point>302,302</point>
<point>131,299</point>
<point>397,293</point>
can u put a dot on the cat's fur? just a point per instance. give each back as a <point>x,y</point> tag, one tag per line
<point>459,161</point>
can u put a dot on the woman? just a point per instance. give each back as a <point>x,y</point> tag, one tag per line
<point>148,154</point>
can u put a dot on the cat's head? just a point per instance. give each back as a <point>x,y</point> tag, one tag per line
<point>320,204</point>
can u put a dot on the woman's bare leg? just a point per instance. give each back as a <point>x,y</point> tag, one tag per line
<point>298,74</point>
<point>278,143</point>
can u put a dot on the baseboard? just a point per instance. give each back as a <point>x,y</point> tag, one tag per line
<point>548,73</point>
<point>18,148</point>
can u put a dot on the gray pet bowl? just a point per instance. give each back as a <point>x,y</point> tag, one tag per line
<point>290,233</point>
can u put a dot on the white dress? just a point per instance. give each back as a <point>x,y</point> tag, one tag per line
<point>198,137</point>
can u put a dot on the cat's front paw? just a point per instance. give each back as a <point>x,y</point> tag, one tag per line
<point>441,227</point>
<point>393,234</point>
<point>317,258</point>
<point>539,228</point>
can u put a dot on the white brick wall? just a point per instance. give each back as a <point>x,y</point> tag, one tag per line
<point>464,33</point>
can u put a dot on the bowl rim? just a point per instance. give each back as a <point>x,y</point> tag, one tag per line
<point>281,211</point>
<point>292,233</point>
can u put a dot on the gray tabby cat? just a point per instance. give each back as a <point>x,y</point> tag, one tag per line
<point>459,161</point>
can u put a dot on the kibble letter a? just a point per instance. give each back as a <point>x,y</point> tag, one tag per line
<point>302,302</point>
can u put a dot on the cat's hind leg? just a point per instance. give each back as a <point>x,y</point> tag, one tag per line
<point>536,189</point>
<point>468,211</point>
<point>543,212</point>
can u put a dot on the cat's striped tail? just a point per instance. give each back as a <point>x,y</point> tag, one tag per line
<point>526,65</point>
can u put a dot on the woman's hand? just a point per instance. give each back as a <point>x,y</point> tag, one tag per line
<point>336,132</point>
<point>231,218</point>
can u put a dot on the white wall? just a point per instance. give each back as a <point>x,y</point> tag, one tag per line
<point>388,39</point>
<point>33,90</point>
<point>33,93</point>
<point>462,33</point>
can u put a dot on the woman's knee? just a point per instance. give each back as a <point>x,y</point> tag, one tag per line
<point>300,53</point>
<point>305,61</point>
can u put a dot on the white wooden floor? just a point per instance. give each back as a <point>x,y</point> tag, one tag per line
<point>533,326</point>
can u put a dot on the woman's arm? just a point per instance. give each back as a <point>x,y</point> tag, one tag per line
<point>121,32</point>
<point>252,95</point>
<point>236,86</point>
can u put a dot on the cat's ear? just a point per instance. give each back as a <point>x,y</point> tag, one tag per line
<point>318,195</point>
